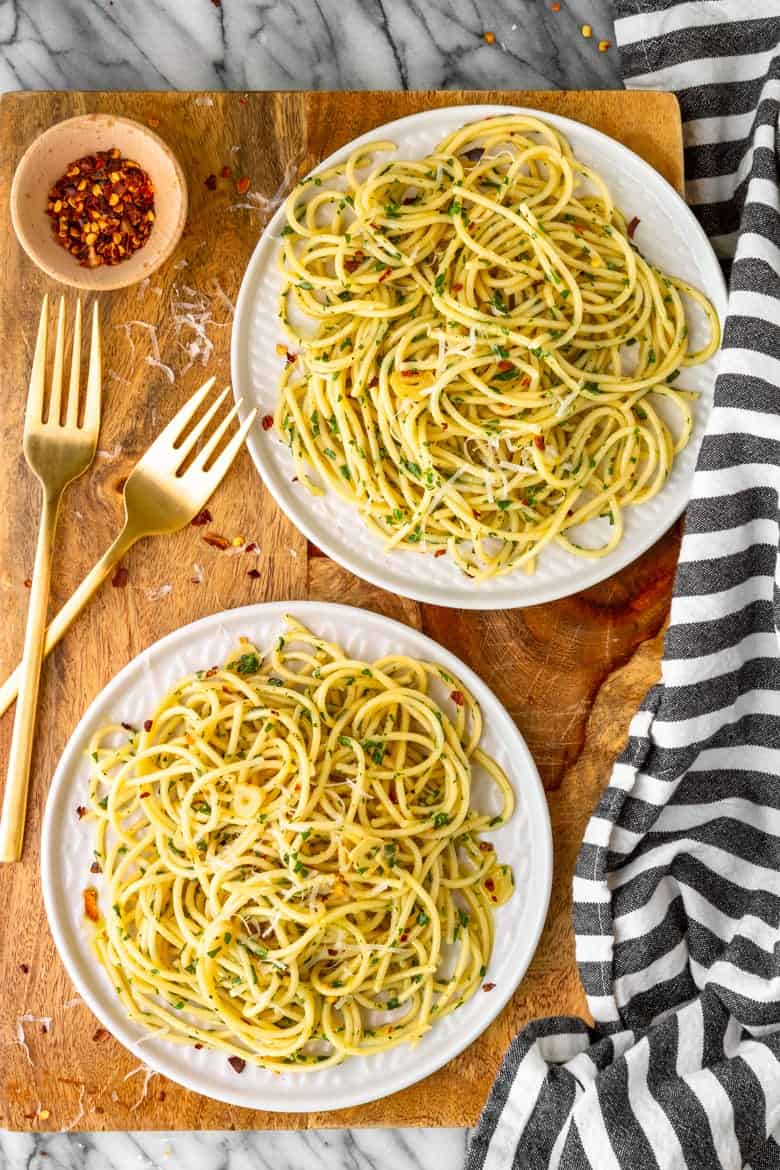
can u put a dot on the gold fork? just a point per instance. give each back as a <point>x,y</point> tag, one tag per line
<point>58,448</point>
<point>159,497</point>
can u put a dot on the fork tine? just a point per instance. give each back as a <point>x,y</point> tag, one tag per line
<point>55,398</point>
<point>189,442</point>
<point>210,447</point>
<point>216,472</point>
<point>92,402</point>
<point>34,408</point>
<point>72,415</point>
<point>168,436</point>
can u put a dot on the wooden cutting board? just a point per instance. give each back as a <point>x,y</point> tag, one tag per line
<point>571,672</point>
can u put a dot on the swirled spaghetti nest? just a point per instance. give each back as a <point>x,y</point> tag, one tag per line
<point>482,361</point>
<point>292,865</point>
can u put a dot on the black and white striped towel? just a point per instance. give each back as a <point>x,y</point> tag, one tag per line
<point>677,888</point>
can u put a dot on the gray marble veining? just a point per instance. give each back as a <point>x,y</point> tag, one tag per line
<point>358,1149</point>
<point>289,44</point>
<point>303,44</point>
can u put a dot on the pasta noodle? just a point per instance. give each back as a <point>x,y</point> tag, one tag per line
<point>292,865</point>
<point>480,353</point>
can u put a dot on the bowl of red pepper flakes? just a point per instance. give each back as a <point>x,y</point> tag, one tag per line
<point>99,201</point>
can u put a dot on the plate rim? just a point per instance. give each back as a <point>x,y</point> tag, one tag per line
<point>66,770</point>
<point>586,572</point>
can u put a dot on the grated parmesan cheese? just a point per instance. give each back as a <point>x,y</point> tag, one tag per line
<point>148,1073</point>
<point>256,201</point>
<point>21,1039</point>
<point>72,1124</point>
<point>158,592</point>
<point>161,366</point>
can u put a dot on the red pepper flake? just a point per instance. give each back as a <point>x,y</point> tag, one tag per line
<point>354,261</point>
<point>374,382</point>
<point>456,287</point>
<point>251,547</point>
<point>144,795</point>
<point>254,574</point>
<point>217,3</point>
<point>242,186</point>
<point>489,38</point>
<point>490,884</point>
<point>91,904</point>
<point>243,101</point>
<point>635,222</point>
<point>24,968</point>
<point>226,172</point>
<point>128,726</point>
<point>100,1034</point>
<point>486,847</point>
<point>203,517</point>
<point>198,1046</point>
<point>385,275</point>
<point>488,986</point>
<point>526,381</point>
<point>102,208</point>
<point>28,583</point>
<point>96,867</point>
<point>290,358</point>
<point>457,698</point>
<point>267,422</point>
<point>211,182</point>
<point>440,552</point>
<point>153,122</point>
<point>147,725</point>
<point>506,365</point>
<point>120,577</point>
<point>404,936</point>
<point>539,442</point>
<point>216,540</point>
<point>237,1064</point>
<point>80,811</point>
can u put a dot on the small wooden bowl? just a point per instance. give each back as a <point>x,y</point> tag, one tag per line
<point>47,158</point>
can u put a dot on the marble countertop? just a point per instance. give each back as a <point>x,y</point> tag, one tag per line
<point>288,44</point>
<point>304,44</point>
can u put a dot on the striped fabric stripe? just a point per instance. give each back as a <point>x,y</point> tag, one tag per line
<point>677,885</point>
<point>724,85</point>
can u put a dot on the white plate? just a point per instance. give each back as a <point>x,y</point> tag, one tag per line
<point>66,853</point>
<point>668,235</point>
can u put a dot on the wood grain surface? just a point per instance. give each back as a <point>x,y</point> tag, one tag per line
<point>571,673</point>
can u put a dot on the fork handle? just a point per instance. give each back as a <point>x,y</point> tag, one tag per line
<point>71,609</point>
<point>29,672</point>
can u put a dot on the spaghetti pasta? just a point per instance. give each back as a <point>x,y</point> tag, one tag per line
<point>292,866</point>
<point>482,361</point>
